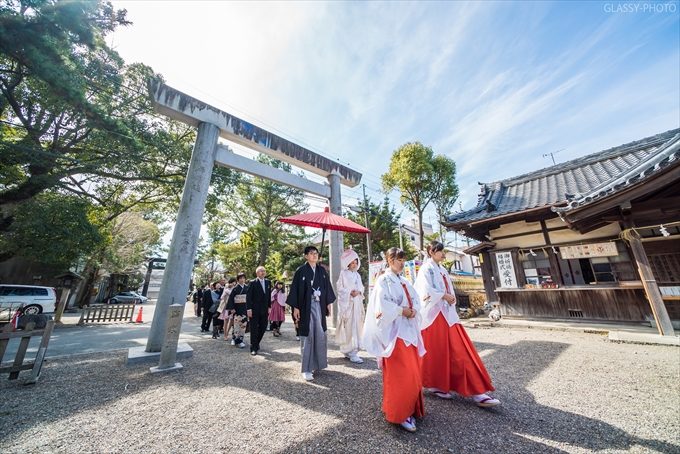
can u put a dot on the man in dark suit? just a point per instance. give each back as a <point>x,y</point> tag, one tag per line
<point>197,297</point>
<point>258,302</point>
<point>206,303</point>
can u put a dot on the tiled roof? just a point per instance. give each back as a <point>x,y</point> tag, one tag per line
<point>666,155</point>
<point>576,180</point>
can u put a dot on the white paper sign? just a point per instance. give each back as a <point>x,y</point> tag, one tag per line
<point>584,251</point>
<point>374,269</point>
<point>506,270</point>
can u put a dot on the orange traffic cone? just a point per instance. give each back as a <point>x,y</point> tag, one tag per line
<point>139,316</point>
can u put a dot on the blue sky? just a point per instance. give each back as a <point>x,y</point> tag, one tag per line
<point>493,85</point>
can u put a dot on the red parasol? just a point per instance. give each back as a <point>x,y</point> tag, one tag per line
<point>325,220</point>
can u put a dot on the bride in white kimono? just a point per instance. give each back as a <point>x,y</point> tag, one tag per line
<point>350,307</point>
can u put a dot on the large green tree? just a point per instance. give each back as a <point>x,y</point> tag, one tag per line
<point>445,189</point>
<point>75,120</point>
<point>57,78</point>
<point>251,216</point>
<point>421,178</point>
<point>56,47</point>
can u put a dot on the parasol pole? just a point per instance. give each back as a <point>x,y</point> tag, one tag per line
<point>323,236</point>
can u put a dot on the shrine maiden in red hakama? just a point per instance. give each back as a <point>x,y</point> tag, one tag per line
<point>392,334</point>
<point>451,364</point>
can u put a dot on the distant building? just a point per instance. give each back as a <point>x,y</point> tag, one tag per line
<point>410,232</point>
<point>462,263</point>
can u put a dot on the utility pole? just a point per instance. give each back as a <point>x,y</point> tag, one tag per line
<point>368,235</point>
<point>401,241</point>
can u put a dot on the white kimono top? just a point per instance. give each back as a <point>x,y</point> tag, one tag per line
<point>348,281</point>
<point>431,284</point>
<point>384,320</point>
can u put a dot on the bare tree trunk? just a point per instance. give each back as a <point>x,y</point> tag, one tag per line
<point>264,248</point>
<point>420,231</point>
<point>440,216</point>
<point>83,296</point>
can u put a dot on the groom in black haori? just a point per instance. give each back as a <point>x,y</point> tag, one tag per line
<point>311,296</point>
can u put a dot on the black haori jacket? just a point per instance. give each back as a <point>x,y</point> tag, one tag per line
<point>300,294</point>
<point>231,302</point>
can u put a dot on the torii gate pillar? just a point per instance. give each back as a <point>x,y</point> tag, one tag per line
<point>187,230</point>
<point>335,238</point>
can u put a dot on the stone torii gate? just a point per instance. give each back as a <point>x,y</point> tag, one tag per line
<point>213,123</point>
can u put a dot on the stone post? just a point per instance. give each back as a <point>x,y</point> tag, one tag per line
<point>169,350</point>
<point>336,238</point>
<point>180,262</point>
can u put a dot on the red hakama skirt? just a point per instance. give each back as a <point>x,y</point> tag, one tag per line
<point>402,385</point>
<point>451,362</point>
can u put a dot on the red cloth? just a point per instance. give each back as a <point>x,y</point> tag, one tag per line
<point>408,297</point>
<point>402,384</point>
<point>446,284</point>
<point>451,362</point>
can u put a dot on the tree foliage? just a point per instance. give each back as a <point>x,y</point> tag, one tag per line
<point>53,229</point>
<point>421,178</point>
<point>445,189</point>
<point>129,241</point>
<point>383,220</point>
<point>249,217</point>
<point>76,119</point>
<point>54,48</point>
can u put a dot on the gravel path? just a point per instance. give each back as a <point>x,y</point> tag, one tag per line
<point>561,392</point>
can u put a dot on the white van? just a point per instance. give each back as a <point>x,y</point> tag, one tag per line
<point>36,300</point>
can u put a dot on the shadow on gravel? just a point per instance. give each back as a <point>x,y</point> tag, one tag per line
<point>351,395</point>
<point>521,418</point>
<point>520,425</point>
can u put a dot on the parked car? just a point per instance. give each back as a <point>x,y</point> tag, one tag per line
<point>128,297</point>
<point>36,300</point>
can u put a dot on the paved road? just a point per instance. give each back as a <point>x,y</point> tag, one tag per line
<point>74,340</point>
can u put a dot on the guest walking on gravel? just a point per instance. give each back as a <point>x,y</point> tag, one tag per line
<point>206,304</point>
<point>258,302</point>
<point>237,308</point>
<point>225,315</point>
<point>277,315</point>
